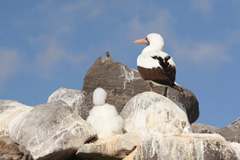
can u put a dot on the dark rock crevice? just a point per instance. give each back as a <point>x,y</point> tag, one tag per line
<point>10,150</point>
<point>94,156</point>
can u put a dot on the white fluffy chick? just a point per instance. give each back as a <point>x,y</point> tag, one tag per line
<point>104,117</point>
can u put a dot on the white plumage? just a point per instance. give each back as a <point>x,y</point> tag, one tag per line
<point>154,64</point>
<point>155,47</point>
<point>104,117</point>
<point>99,96</point>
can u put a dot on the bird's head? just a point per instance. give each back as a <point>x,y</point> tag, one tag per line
<point>153,39</point>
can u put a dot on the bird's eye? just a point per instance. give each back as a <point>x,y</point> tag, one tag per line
<point>147,41</point>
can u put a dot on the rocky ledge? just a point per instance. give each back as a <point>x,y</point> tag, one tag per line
<point>157,123</point>
<point>231,132</point>
<point>9,150</point>
<point>123,83</point>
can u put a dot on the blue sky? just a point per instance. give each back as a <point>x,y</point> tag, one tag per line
<point>51,43</point>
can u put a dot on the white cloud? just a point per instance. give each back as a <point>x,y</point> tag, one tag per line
<point>9,64</point>
<point>202,6</point>
<point>89,8</point>
<point>54,56</point>
<point>61,21</point>
<point>159,22</point>
<point>201,53</point>
<point>209,53</point>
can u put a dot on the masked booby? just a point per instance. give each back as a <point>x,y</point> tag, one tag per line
<point>153,63</point>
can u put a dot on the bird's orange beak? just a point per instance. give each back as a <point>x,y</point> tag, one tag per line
<point>141,41</point>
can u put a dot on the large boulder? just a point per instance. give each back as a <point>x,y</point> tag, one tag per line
<point>184,147</point>
<point>122,83</point>
<point>73,98</point>
<point>50,128</point>
<point>9,150</point>
<point>150,112</point>
<point>8,111</point>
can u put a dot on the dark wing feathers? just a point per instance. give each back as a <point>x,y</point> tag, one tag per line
<point>170,71</point>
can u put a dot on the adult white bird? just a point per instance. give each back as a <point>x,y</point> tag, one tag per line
<point>154,64</point>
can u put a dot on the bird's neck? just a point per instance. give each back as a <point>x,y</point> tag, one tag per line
<point>151,49</point>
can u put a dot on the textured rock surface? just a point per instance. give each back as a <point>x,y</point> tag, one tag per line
<point>8,111</point>
<point>73,98</point>
<point>232,131</point>
<point>203,128</point>
<point>56,131</point>
<point>151,112</point>
<point>236,147</point>
<point>12,151</point>
<point>184,147</point>
<point>117,146</point>
<point>50,128</point>
<point>122,83</point>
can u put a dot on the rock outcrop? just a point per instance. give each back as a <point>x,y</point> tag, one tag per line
<point>232,131</point>
<point>123,83</point>
<point>157,123</point>
<point>8,111</point>
<point>149,112</point>
<point>203,128</point>
<point>12,151</point>
<point>50,128</point>
<point>118,146</point>
<point>73,98</point>
<point>167,135</point>
<point>184,147</point>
